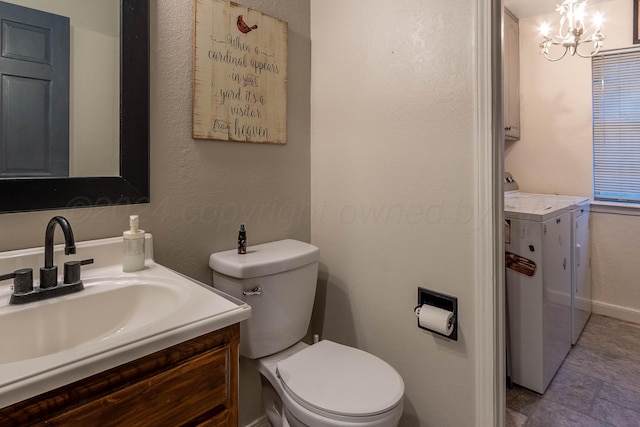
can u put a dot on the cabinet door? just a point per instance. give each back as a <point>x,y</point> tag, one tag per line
<point>184,392</point>
<point>511,64</point>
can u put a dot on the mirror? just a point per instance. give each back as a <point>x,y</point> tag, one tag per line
<point>132,184</point>
<point>61,88</point>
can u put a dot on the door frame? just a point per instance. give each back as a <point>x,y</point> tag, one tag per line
<point>490,378</point>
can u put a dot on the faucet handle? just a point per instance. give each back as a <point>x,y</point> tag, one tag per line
<point>72,270</point>
<point>22,280</point>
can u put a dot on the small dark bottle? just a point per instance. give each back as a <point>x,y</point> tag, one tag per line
<point>242,240</point>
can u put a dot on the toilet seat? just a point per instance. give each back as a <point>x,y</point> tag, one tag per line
<point>337,381</point>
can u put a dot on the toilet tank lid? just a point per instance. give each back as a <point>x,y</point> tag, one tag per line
<point>265,259</point>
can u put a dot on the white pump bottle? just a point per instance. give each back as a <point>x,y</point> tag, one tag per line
<point>133,255</point>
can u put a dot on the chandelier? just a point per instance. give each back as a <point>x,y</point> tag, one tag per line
<point>572,32</point>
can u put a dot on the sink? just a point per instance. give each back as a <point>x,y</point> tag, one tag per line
<point>117,318</point>
<point>105,309</point>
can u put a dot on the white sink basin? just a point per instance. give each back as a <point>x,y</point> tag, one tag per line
<point>103,310</point>
<point>117,318</point>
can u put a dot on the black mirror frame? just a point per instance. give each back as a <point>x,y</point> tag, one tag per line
<point>132,186</point>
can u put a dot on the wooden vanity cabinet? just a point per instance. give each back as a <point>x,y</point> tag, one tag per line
<point>194,383</point>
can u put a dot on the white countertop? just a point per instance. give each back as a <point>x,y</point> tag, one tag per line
<point>194,309</point>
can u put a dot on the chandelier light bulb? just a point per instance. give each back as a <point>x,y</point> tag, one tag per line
<point>597,21</point>
<point>545,29</point>
<point>578,15</point>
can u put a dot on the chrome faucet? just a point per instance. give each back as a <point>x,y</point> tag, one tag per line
<point>23,290</point>
<point>49,273</point>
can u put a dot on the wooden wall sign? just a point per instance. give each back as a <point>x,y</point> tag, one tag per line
<point>239,74</point>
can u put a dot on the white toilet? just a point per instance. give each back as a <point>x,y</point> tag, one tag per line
<point>324,384</point>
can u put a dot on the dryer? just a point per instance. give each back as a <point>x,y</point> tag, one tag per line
<point>581,269</point>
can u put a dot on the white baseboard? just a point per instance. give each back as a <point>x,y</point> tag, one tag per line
<point>616,311</point>
<point>263,421</point>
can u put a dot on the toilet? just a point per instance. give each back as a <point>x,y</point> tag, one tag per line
<point>323,384</point>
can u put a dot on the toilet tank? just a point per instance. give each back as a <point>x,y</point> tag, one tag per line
<point>278,280</point>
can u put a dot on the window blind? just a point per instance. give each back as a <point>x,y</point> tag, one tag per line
<point>616,126</point>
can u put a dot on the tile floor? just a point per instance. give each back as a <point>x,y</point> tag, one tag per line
<point>597,385</point>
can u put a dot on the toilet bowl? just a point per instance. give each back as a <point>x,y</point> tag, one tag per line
<point>321,385</point>
<point>329,384</point>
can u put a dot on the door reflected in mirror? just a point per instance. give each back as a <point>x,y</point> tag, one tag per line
<point>64,117</point>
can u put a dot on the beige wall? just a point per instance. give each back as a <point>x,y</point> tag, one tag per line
<point>554,154</point>
<point>392,169</point>
<point>202,190</point>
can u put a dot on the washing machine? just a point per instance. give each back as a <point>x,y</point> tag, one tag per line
<point>581,305</point>
<point>540,260</point>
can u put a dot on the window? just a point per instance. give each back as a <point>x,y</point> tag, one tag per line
<point>616,126</point>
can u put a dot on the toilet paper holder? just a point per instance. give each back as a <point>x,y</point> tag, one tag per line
<point>445,302</point>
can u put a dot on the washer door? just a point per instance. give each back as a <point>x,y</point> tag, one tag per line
<point>330,378</point>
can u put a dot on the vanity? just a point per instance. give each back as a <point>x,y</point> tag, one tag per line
<point>152,347</point>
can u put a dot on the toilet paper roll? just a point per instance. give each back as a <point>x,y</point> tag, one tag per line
<point>436,319</point>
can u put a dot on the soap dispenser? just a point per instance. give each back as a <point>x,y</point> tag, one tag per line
<point>133,256</point>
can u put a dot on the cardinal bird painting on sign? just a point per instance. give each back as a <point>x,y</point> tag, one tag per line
<point>243,27</point>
